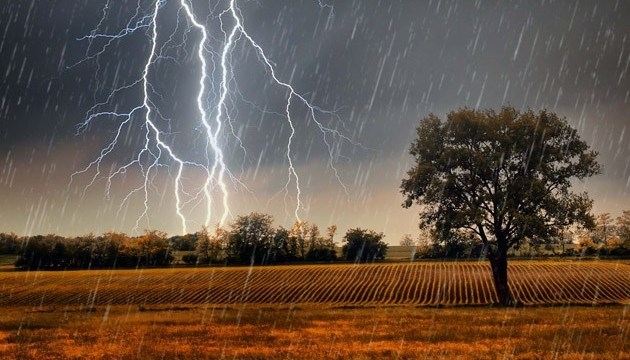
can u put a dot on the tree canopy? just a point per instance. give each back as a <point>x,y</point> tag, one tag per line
<point>500,176</point>
<point>251,238</point>
<point>362,245</point>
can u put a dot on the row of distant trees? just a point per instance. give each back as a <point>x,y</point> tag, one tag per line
<point>609,237</point>
<point>249,239</point>
<point>110,250</point>
<point>252,239</point>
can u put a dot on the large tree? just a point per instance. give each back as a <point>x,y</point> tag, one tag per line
<point>503,176</point>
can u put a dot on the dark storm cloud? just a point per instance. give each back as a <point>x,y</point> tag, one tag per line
<point>380,65</point>
<point>41,99</point>
<point>386,64</point>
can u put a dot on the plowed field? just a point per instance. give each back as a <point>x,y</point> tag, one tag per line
<point>427,284</point>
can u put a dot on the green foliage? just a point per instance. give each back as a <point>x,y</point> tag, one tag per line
<point>282,251</point>
<point>250,239</point>
<point>604,228</point>
<point>185,242</point>
<point>613,237</point>
<point>450,250</point>
<point>503,177</point>
<point>308,244</point>
<point>362,245</point>
<point>190,259</point>
<point>586,246</point>
<point>323,248</point>
<point>608,238</point>
<point>623,228</point>
<point>154,249</point>
<point>210,248</point>
<point>10,243</point>
<point>111,250</point>
<point>44,251</point>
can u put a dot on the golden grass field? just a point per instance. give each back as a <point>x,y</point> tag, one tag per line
<point>400,310</point>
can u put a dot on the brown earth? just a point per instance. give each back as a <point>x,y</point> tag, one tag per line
<point>416,284</point>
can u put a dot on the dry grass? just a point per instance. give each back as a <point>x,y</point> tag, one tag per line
<point>281,332</point>
<point>312,312</point>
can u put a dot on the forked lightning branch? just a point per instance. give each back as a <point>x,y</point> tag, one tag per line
<point>214,120</point>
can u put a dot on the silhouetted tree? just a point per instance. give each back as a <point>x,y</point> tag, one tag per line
<point>301,235</point>
<point>604,228</point>
<point>362,245</point>
<point>618,236</point>
<point>502,176</point>
<point>42,252</point>
<point>111,246</point>
<point>185,242</point>
<point>210,247</point>
<point>84,252</point>
<point>153,249</point>
<point>407,240</point>
<point>10,243</point>
<point>623,226</point>
<point>281,250</point>
<point>321,248</point>
<point>250,240</point>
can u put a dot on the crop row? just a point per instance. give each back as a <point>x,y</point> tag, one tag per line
<point>427,284</point>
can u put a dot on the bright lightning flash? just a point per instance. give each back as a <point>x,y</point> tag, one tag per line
<point>156,150</point>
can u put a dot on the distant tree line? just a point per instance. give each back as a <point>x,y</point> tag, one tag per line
<point>609,238</point>
<point>250,239</point>
<point>110,250</point>
<point>430,246</point>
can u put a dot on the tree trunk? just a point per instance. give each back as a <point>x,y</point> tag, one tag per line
<point>498,263</point>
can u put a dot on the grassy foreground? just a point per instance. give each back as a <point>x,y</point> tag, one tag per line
<point>282,332</point>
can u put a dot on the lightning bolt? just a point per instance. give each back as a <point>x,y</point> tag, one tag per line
<point>153,145</point>
<point>238,28</point>
<point>213,108</point>
<point>219,162</point>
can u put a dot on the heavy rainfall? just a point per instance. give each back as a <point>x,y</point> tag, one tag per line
<point>166,122</point>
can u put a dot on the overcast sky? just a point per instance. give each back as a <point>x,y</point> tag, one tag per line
<point>374,67</point>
